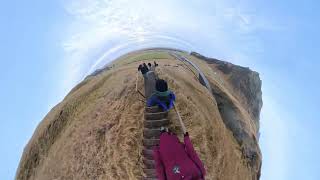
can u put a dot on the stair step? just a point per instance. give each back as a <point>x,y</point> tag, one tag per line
<point>148,153</point>
<point>149,164</point>
<point>155,116</point>
<point>156,123</point>
<point>151,133</point>
<point>149,178</point>
<point>150,142</point>
<point>150,173</point>
<point>153,109</point>
<point>154,119</point>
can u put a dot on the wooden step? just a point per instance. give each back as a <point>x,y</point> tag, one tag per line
<point>151,133</point>
<point>150,142</point>
<point>156,123</point>
<point>149,178</point>
<point>147,153</point>
<point>151,173</point>
<point>153,109</point>
<point>155,116</point>
<point>149,164</point>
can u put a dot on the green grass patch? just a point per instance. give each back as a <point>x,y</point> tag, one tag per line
<point>151,55</point>
<point>142,56</point>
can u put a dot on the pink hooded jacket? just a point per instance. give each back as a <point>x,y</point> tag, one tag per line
<point>175,160</point>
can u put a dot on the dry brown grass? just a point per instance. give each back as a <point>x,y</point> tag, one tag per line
<point>96,132</point>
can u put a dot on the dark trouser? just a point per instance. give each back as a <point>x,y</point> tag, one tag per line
<point>149,83</point>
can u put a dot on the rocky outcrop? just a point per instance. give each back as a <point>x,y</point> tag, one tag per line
<point>247,87</point>
<point>244,81</point>
<point>233,119</point>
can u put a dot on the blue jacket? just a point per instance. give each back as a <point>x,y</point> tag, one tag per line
<point>164,102</point>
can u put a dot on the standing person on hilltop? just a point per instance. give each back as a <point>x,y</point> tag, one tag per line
<point>143,68</point>
<point>155,64</point>
<point>162,97</point>
<point>152,67</point>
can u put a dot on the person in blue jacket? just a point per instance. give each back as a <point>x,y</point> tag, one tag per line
<point>163,98</point>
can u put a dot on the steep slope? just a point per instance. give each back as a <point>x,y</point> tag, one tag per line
<point>96,132</point>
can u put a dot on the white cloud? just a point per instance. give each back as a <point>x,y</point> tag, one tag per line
<point>103,24</point>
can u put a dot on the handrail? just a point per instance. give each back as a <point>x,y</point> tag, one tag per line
<point>183,127</point>
<point>137,78</point>
<point>201,74</point>
<point>137,90</point>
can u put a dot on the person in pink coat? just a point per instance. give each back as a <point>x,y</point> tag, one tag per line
<point>176,160</point>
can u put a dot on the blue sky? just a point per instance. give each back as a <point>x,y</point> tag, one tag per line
<point>49,46</point>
